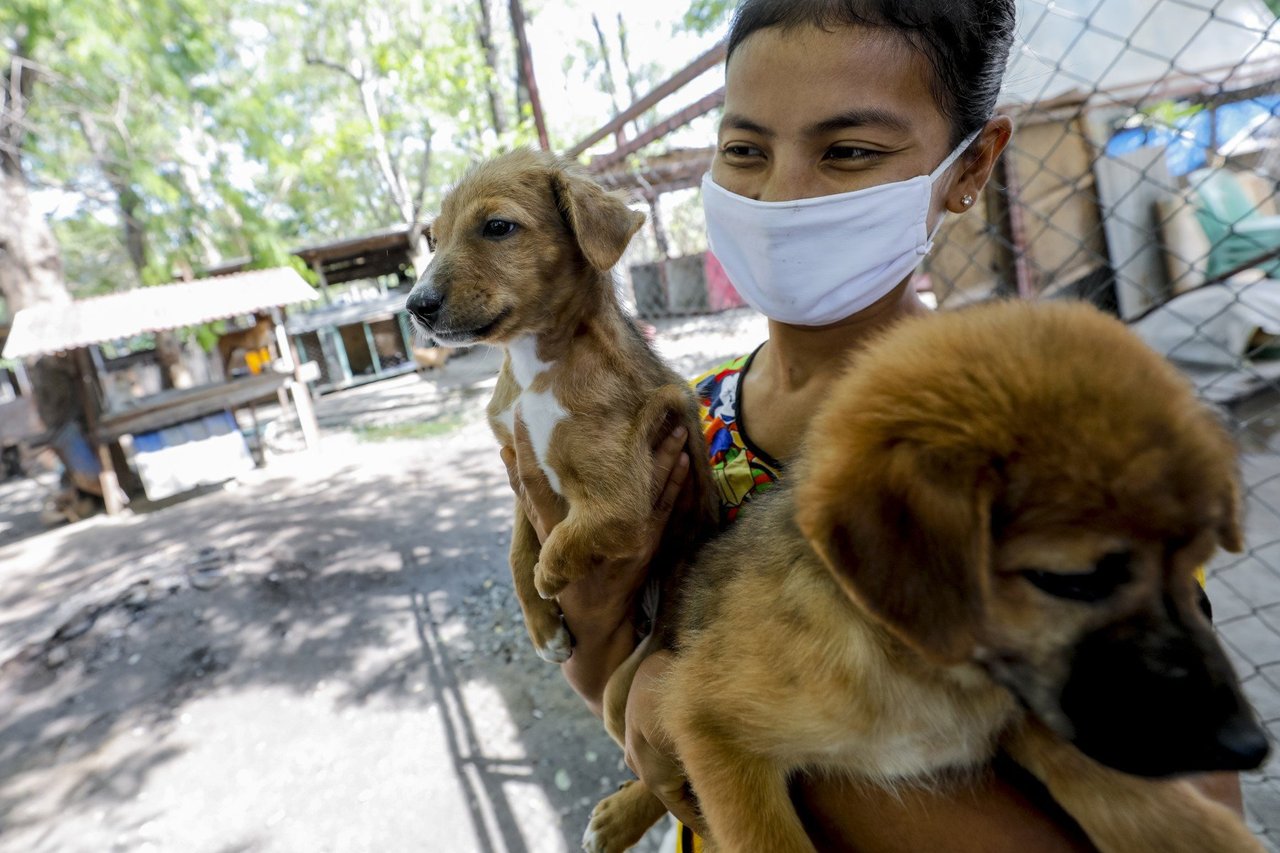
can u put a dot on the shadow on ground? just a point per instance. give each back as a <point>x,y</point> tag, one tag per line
<point>380,585</point>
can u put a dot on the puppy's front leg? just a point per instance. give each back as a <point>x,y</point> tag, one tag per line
<point>546,629</point>
<point>1128,814</point>
<point>743,798</point>
<point>579,542</point>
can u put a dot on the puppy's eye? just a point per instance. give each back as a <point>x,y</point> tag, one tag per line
<point>1109,574</point>
<point>496,229</point>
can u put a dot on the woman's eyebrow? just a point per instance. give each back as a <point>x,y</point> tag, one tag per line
<point>863,117</point>
<point>733,121</point>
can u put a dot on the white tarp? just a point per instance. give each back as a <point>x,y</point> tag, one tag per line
<point>1066,45</point>
<point>1214,325</point>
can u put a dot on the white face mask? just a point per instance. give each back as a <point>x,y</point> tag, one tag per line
<point>814,261</point>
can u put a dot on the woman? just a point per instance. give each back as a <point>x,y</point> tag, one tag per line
<point>851,127</point>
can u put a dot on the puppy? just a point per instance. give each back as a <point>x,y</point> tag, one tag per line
<point>260,335</point>
<point>524,249</point>
<point>991,541</point>
<point>432,358</point>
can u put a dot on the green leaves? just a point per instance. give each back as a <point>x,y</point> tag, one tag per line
<point>192,132</point>
<point>706,15</point>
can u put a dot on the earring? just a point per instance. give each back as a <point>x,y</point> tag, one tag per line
<point>967,201</point>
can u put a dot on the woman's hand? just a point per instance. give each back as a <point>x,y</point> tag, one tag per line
<point>649,751</point>
<point>598,608</point>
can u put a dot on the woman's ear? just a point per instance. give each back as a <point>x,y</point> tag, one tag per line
<point>978,166</point>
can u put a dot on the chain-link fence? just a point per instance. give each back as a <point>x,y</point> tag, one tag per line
<point>1143,176</point>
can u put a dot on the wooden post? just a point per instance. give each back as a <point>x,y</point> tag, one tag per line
<point>302,402</point>
<point>24,382</point>
<point>112,495</point>
<point>318,267</point>
<point>526,65</point>
<point>373,348</point>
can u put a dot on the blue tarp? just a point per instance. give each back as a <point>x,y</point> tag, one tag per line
<point>1188,141</point>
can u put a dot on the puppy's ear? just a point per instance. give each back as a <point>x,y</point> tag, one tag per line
<point>600,220</point>
<point>1230,528</point>
<point>908,537</point>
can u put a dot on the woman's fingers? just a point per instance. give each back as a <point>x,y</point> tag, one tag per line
<point>666,458</point>
<point>671,491</point>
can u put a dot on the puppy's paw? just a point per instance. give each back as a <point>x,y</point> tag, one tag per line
<point>548,580</point>
<point>548,585</point>
<point>558,649</point>
<point>619,821</point>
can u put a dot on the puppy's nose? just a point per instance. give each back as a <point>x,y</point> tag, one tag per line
<point>425,303</point>
<point>1241,744</point>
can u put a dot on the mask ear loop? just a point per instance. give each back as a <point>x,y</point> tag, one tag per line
<point>954,156</point>
<point>933,179</point>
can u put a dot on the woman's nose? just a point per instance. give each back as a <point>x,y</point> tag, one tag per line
<point>788,180</point>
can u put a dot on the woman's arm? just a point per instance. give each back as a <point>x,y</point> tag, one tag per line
<point>599,609</point>
<point>992,814</point>
<point>1005,811</point>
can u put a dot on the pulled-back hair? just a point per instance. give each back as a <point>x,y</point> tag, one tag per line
<point>967,42</point>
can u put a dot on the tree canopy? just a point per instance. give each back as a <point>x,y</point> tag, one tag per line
<point>171,135</point>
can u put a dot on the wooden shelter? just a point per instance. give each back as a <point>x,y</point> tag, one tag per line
<point>79,329</point>
<point>389,252</point>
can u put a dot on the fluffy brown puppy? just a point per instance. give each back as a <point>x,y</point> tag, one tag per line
<point>991,540</point>
<point>524,251</point>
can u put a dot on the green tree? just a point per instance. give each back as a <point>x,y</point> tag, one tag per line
<point>706,15</point>
<point>193,130</point>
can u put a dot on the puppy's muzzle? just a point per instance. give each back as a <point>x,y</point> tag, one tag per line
<point>1155,695</point>
<point>425,304</point>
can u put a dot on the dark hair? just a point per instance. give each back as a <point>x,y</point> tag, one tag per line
<point>967,42</point>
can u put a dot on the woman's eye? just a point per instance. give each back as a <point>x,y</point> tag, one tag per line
<point>741,151</point>
<point>1109,574</point>
<point>496,229</point>
<point>850,153</point>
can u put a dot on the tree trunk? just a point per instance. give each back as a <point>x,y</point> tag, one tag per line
<point>30,266</point>
<point>633,87</point>
<point>30,263</point>
<point>484,33</point>
<point>609,82</point>
<point>135,236</point>
<point>31,274</point>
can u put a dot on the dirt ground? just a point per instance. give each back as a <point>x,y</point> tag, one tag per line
<point>326,655</point>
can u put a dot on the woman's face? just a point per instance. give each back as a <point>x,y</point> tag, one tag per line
<point>812,113</point>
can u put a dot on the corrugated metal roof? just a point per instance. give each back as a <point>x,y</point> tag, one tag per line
<point>43,329</point>
<point>342,315</point>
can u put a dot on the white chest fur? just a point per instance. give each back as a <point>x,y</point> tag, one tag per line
<point>539,410</point>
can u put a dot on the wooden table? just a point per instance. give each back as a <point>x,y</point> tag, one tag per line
<point>174,407</point>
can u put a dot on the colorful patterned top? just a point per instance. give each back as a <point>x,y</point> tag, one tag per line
<point>739,468</point>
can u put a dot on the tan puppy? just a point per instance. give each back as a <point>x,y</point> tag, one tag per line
<point>258,336</point>
<point>992,540</point>
<point>524,249</point>
<point>432,358</point>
